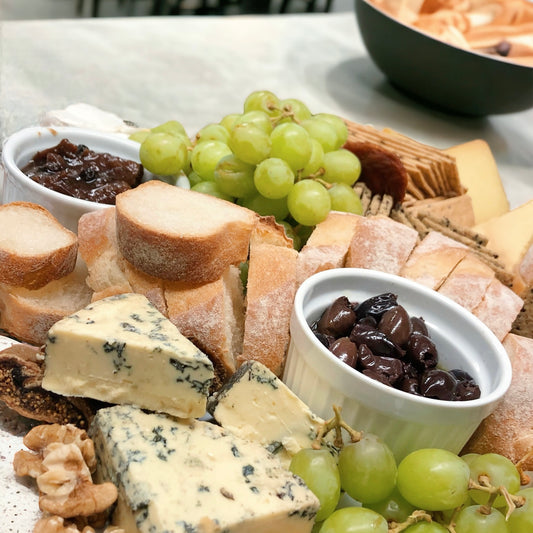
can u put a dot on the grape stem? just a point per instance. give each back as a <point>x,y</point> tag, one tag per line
<point>511,500</point>
<point>413,518</point>
<point>336,423</point>
<point>524,478</point>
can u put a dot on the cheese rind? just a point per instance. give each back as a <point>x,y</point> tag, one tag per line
<point>121,349</point>
<point>258,406</point>
<point>194,476</point>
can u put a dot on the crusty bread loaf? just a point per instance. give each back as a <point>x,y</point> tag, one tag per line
<point>270,294</point>
<point>433,259</point>
<point>499,308</point>
<point>380,243</point>
<point>509,429</point>
<point>35,248</point>
<point>181,235</point>
<point>327,245</point>
<point>28,314</point>
<point>211,315</point>
<point>468,282</point>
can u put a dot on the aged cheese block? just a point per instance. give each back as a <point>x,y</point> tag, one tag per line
<point>194,476</point>
<point>479,174</point>
<point>121,349</point>
<point>258,406</point>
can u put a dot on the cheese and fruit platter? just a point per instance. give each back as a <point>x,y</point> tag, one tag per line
<point>288,321</point>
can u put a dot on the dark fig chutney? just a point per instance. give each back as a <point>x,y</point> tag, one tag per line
<point>381,340</point>
<point>77,171</point>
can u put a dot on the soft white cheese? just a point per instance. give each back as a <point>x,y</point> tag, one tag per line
<point>123,350</point>
<point>194,476</point>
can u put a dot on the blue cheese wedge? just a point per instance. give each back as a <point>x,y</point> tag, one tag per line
<point>121,349</point>
<point>258,406</point>
<point>195,477</point>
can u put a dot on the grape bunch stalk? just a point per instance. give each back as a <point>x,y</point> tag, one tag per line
<point>431,490</point>
<point>276,158</point>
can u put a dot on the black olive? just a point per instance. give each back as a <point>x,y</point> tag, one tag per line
<point>345,350</point>
<point>396,324</point>
<point>376,306</point>
<point>338,319</point>
<point>421,351</point>
<point>438,384</point>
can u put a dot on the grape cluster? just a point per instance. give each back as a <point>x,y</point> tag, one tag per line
<point>276,158</point>
<point>430,491</point>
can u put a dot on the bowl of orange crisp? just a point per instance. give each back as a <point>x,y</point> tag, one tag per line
<point>469,57</point>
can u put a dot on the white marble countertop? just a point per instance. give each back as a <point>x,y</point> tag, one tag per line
<point>197,69</point>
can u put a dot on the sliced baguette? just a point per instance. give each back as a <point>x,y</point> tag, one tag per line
<point>35,248</point>
<point>180,235</point>
<point>27,314</point>
<point>270,294</point>
<point>327,245</point>
<point>432,261</point>
<point>380,243</point>
<point>211,315</point>
<point>509,429</point>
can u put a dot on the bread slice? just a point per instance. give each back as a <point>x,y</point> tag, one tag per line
<point>181,235</point>
<point>35,248</point>
<point>509,429</point>
<point>27,314</point>
<point>380,243</point>
<point>468,282</point>
<point>327,245</point>
<point>499,308</point>
<point>432,261</point>
<point>270,294</point>
<point>211,315</point>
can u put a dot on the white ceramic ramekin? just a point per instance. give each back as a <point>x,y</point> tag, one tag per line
<point>406,422</point>
<point>20,147</point>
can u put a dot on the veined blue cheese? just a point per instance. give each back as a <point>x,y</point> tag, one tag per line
<point>121,349</point>
<point>258,406</point>
<point>195,477</point>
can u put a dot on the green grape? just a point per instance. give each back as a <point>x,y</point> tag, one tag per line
<point>322,131</point>
<point>500,471</point>
<point>291,234</point>
<point>308,202</point>
<point>250,143</point>
<point>235,177</point>
<point>273,178</point>
<point>344,198</point>
<point>205,157</point>
<point>426,527</point>
<point>341,166</point>
<point>139,136</point>
<point>521,519</point>
<point>172,127</point>
<point>298,109</point>
<point>265,101</point>
<point>228,121</point>
<point>163,154</point>
<point>266,206</point>
<point>211,188</point>
<point>257,118</point>
<point>292,143</point>
<point>319,471</point>
<point>340,126</point>
<point>315,161</point>
<point>213,132</point>
<point>367,469</point>
<point>354,520</point>
<point>194,178</point>
<point>393,507</point>
<point>433,479</point>
<point>471,520</point>
<point>469,457</point>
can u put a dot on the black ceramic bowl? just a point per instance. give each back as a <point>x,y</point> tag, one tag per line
<point>441,74</point>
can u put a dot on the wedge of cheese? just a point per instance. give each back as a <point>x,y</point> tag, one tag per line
<point>256,405</point>
<point>184,476</point>
<point>479,174</point>
<point>121,349</point>
<point>511,237</point>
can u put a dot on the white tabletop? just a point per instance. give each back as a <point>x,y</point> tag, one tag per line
<point>197,69</point>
